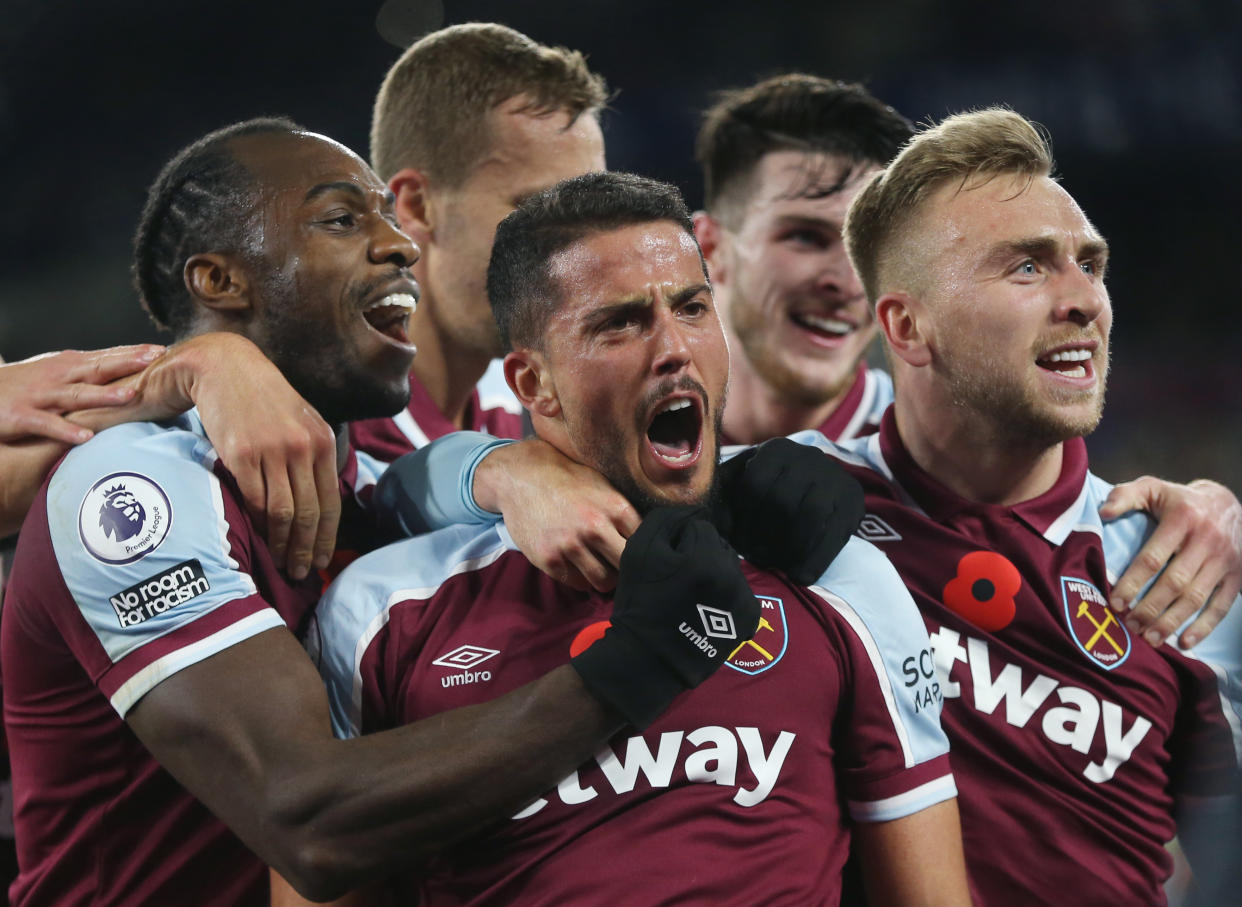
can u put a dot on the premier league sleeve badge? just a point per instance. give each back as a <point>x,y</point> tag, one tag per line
<point>123,518</point>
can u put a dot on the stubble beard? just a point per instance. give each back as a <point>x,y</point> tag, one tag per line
<point>605,454</point>
<point>319,367</point>
<point>773,366</point>
<point>1015,411</point>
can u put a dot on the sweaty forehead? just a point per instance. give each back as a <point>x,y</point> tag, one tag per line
<point>297,162</point>
<point>1006,208</point>
<point>610,265</point>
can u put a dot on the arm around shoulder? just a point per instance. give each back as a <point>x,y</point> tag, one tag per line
<point>247,732</point>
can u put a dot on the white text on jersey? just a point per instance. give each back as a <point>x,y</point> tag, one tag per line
<point>1073,723</point>
<point>715,760</point>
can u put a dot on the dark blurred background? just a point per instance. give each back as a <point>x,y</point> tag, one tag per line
<point>1143,99</point>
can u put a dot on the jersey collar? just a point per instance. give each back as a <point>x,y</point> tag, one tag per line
<point>1055,507</point>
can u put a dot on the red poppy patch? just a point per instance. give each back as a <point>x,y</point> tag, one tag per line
<point>983,590</point>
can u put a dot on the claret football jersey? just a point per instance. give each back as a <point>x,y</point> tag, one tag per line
<point>1071,738</point>
<point>742,792</point>
<point>860,410</point>
<point>136,561</point>
<point>492,409</point>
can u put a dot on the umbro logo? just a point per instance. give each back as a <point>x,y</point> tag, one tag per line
<point>717,623</point>
<point>874,529</point>
<point>463,658</point>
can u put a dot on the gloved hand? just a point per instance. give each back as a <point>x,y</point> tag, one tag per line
<point>786,506</point>
<point>681,607</point>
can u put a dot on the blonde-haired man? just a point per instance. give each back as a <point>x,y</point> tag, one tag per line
<point>782,161</point>
<point>988,284</point>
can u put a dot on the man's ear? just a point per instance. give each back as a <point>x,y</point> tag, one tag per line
<point>710,234</point>
<point>901,318</point>
<point>415,211</point>
<point>217,282</point>
<point>531,382</point>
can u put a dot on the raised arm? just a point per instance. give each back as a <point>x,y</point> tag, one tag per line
<point>782,505</point>
<point>564,516</point>
<point>1197,543</point>
<point>36,393</point>
<point>566,519</point>
<point>281,453</point>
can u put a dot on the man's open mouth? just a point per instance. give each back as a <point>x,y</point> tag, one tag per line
<point>390,316</point>
<point>1069,363</point>
<point>822,325</point>
<point>676,430</point>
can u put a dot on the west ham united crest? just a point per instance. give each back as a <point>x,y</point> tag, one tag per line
<point>123,517</point>
<point>767,646</point>
<point>1092,624</point>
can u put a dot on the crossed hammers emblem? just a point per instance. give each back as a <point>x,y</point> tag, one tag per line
<point>763,625</point>
<point>1101,627</point>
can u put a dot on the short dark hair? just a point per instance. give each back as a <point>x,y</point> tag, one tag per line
<point>792,112</point>
<point>198,203</point>
<point>519,284</point>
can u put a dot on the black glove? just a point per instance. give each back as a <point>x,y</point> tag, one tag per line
<point>786,506</point>
<point>681,607</point>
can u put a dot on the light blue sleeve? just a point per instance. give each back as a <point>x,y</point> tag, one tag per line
<point>1208,827</point>
<point>865,588</point>
<point>430,488</point>
<point>138,526</point>
<point>357,606</point>
<point>370,469</point>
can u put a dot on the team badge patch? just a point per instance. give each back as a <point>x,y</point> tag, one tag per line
<point>769,643</point>
<point>1092,624</point>
<point>123,518</point>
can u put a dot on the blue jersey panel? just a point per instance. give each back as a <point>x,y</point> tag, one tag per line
<point>882,612</point>
<point>430,488</point>
<point>138,526</point>
<point>356,605</point>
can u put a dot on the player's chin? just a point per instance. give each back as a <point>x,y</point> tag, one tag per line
<point>389,360</point>
<point>1061,422</point>
<point>689,488</point>
<point>380,397</point>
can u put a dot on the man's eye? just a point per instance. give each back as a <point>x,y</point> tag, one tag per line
<point>341,219</point>
<point>806,237</point>
<point>1091,268</point>
<point>1027,268</point>
<point>618,323</point>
